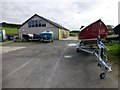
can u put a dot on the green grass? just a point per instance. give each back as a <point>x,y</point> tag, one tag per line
<point>114,51</point>
<point>73,34</point>
<point>11,31</point>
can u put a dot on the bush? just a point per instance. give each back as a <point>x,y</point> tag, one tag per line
<point>74,34</point>
<point>114,51</point>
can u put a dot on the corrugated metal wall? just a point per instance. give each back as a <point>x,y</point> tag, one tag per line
<point>62,34</point>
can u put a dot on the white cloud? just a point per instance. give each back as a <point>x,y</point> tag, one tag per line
<point>69,13</point>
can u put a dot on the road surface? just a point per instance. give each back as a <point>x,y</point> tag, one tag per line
<point>51,65</point>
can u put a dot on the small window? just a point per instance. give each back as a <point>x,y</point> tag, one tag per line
<point>32,23</point>
<point>36,23</point>
<point>43,24</point>
<point>29,24</point>
<point>39,23</point>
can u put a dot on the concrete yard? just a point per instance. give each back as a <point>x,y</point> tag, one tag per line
<point>51,65</point>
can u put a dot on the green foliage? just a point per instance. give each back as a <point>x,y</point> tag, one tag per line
<point>114,51</point>
<point>73,34</point>
<point>110,29</point>
<point>11,31</point>
<point>111,32</point>
<point>104,40</point>
<point>4,24</point>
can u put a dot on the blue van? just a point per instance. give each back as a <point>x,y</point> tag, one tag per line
<point>47,36</point>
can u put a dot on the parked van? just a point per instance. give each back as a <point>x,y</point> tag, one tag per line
<point>47,36</point>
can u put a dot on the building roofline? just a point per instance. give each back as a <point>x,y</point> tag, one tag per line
<point>49,21</point>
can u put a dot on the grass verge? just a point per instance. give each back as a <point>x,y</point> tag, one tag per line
<point>11,31</point>
<point>114,51</point>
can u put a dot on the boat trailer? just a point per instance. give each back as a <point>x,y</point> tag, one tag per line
<point>99,52</point>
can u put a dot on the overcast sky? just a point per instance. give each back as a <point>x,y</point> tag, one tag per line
<point>72,14</point>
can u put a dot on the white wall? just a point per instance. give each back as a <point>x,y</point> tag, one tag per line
<point>37,30</point>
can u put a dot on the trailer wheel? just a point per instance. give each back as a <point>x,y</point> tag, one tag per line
<point>102,75</point>
<point>99,65</point>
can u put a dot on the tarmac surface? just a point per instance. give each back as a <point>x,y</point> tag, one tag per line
<point>51,65</point>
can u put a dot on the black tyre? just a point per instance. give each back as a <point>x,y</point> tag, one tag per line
<point>102,75</point>
<point>52,40</point>
<point>99,65</point>
<point>77,50</point>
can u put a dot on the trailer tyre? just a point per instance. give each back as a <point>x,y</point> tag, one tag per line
<point>99,65</point>
<point>102,75</point>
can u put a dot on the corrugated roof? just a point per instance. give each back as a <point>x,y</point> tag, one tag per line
<point>49,21</point>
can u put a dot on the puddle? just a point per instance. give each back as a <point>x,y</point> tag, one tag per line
<point>67,56</point>
<point>71,44</point>
<point>9,49</point>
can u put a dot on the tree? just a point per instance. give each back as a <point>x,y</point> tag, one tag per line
<point>110,29</point>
